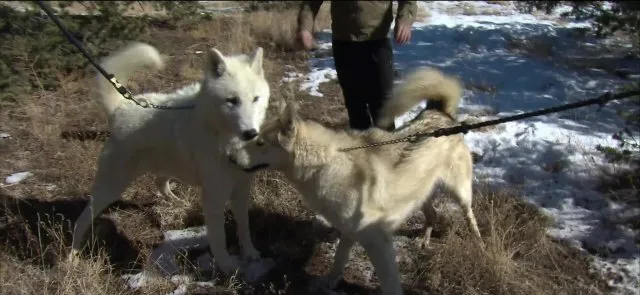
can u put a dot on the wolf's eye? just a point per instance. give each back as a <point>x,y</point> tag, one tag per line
<point>256,98</point>
<point>259,142</point>
<point>233,101</point>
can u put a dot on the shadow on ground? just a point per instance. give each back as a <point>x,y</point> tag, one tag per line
<point>301,250</point>
<point>39,229</point>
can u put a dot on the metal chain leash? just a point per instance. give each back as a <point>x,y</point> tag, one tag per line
<point>410,138</point>
<point>110,77</point>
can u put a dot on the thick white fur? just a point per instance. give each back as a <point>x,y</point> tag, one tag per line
<point>368,193</point>
<point>190,145</point>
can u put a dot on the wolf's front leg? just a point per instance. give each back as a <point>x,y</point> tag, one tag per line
<point>379,247</point>
<point>340,260</point>
<point>216,189</point>
<point>240,201</point>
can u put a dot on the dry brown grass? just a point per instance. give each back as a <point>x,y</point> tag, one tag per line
<point>520,257</point>
<point>89,277</point>
<point>33,255</point>
<point>63,170</point>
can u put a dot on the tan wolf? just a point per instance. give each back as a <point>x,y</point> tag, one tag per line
<point>368,193</point>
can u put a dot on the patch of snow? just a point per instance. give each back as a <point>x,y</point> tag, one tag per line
<point>182,234</point>
<point>139,280</point>
<point>317,77</point>
<point>553,158</point>
<point>497,16</point>
<point>17,177</point>
<point>163,258</point>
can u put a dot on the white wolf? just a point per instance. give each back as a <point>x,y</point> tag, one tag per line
<point>189,144</point>
<point>368,193</point>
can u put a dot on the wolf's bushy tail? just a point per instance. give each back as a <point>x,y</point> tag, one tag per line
<point>123,63</point>
<point>442,92</point>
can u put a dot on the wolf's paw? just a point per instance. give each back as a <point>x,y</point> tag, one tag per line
<point>250,255</point>
<point>254,270</point>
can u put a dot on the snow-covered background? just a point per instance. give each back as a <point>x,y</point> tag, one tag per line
<point>551,159</point>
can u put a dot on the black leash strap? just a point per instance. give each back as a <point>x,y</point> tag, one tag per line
<point>464,128</point>
<point>601,100</point>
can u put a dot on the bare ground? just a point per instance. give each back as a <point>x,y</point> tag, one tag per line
<point>37,213</point>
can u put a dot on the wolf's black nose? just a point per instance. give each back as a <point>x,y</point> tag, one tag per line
<point>249,134</point>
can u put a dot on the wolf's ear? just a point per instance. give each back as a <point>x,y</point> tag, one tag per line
<point>288,117</point>
<point>216,62</point>
<point>256,61</point>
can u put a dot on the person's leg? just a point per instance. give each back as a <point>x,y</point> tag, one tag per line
<point>352,72</point>
<point>381,76</point>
